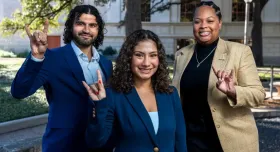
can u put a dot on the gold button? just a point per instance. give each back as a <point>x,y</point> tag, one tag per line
<point>213,109</point>
<point>156,149</point>
<point>218,126</point>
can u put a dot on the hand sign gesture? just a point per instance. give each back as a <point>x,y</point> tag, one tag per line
<point>225,82</point>
<point>96,91</point>
<point>38,40</point>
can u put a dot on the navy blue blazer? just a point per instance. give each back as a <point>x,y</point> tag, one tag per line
<point>61,75</point>
<point>125,115</point>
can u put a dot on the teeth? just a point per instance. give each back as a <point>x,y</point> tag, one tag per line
<point>204,33</point>
<point>145,70</point>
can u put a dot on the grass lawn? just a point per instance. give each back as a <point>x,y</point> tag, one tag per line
<point>11,108</point>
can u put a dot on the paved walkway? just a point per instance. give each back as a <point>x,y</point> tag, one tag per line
<point>27,138</point>
<point>20,135</point>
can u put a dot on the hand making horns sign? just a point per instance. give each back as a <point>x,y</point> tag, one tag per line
<point>225,82</point>
<point>96,91</point>
<point>38,40</point>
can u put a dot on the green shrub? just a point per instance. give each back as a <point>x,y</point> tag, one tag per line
<point>109,51</point>
<point>266,76</point>
<point>170,56</point>
<point>23,54</point>
<point>7,54</point>
<point>11,108</point>
<point>3,66</point>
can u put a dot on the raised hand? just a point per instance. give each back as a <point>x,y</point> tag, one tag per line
<point>225,82</point>
<point>96,91</point>
<point>38,40</point>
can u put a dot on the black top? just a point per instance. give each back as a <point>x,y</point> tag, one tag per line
<point>201,132</point>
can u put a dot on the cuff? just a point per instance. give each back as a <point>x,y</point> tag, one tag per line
<point>235,102</point>
<point>101,108</point>
<point>36,59</point>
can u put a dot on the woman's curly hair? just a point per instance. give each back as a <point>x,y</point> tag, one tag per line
<point>122,78</point>
<point>76,14</point>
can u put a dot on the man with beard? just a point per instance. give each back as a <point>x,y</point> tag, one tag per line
<point>61,72</point>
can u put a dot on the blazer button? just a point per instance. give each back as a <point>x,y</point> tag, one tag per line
<point>218,126</point>
<point>214,109</point>
<point>156,149</point>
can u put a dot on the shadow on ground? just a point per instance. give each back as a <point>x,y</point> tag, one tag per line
<point>269,134</point>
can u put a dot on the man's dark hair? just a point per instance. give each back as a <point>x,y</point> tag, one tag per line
<point>75,14</point>
<point>213,5</point>
<point>122,78</point>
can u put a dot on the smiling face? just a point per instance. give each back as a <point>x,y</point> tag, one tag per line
<point>145,60</point>
<point>206,25</point>
<point>85,30</point>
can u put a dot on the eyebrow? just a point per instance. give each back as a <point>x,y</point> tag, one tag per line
<point>206,18</point>
<point>79,21</point>
<point>144,53</point>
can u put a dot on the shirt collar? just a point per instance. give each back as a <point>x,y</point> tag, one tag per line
<point>79,53</point>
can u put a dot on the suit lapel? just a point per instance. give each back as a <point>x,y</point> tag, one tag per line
<point>162,108</point>
<point>139,108</point>
<point>219,62</point>
<point>73,62</point>
<point>106,68</point>
<point>184,58</point>
<point>221,55</point>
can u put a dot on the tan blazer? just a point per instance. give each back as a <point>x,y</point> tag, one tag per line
<point>234,122</point>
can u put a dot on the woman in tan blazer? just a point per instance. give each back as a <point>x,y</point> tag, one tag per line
<point>218,84</point>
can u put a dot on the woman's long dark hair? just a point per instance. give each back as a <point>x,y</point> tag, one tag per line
<point>122,79</point>
<point>74,15</point>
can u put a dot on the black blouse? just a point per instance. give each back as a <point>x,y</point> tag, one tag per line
<point>201,131</point>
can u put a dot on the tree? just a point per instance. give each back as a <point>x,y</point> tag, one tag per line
<point>256,34</point>
<point>34,13</point>
<point>132,16</point>
<point>132,20</point>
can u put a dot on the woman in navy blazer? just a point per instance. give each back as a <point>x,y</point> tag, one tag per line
<point>140,109</point>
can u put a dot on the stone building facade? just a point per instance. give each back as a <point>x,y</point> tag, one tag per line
<point>174,26</point>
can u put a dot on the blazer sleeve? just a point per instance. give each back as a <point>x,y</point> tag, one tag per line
<point>31,76</point>
<point>100,129</point>
<point>249,91</point>
<point>180,133</point>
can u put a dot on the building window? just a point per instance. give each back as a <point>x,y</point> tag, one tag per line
<point>238,10</point>
<point>145,10</point>
<point>187,9</point>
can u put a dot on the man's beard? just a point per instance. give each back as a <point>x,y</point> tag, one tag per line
<point>83,42</point>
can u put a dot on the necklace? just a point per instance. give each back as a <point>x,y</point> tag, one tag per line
<point>198,63</point>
